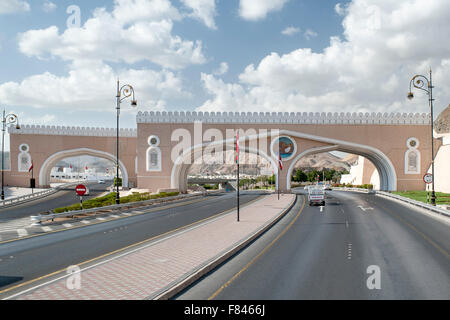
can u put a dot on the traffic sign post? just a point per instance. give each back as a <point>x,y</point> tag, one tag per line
<point>81,191</point>
<point>428,178</point>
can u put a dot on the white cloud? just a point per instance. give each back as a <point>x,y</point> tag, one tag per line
<point>258,9</point>
<point>203,10</point>
<point>48,6</point>
<point>223,68</point>
<point>310,34</point>
<point>12,6</point>
<point>340,9</point>
<point>385,44</point>
<point>290,31</point>
<point>129,35</point>
<point>91,86</point>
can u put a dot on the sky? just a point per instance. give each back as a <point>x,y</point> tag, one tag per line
<point>60,60</point>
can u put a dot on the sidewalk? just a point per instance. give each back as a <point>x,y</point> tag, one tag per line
<point>13,192</point>
<point>150,270</point>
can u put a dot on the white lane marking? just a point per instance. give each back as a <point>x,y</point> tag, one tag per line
<point>67,225</point>
<point>113,216</point>
<point>321,208</point>
<point>365,209</point>
<point>22,232</point>
<point>346,223</point>
<point>85,221</point>
<point>136,211</point>
<point>46,229</point>
<point>127,213</point>
<point>101,219</point>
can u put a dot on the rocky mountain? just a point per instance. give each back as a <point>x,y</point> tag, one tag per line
<point>442,123</point>
<point>317,161</point>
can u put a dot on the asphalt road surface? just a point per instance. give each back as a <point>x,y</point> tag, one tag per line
<point>60,199</point>
<point>358,246</point>
<point>27,259</point>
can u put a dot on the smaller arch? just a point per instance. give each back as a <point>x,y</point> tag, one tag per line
<point>49,163</point>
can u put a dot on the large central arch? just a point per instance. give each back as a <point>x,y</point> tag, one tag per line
<point>181,165</point>
<point>44,173</point>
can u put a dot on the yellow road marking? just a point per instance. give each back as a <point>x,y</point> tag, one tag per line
<point>128,247</point>
<point>215,294</point>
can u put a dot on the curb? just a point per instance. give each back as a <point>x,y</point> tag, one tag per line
<point>184,282</point>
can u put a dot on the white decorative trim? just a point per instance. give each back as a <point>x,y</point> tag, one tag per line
<point>275,155</point>
<point>286,118</point>
<point>72,131</point>
<point>416,151</point>
<point>157,168</point>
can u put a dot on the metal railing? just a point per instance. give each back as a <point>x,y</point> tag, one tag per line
<point>32,196</point>
<point>37,220</point>
<point>421,204</point>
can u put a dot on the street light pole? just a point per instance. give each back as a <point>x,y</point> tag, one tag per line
<point>127,91</point>
<point>419,82</point>
<point>6,119</point>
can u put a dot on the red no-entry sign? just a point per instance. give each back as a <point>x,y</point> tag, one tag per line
<point>80,189</point>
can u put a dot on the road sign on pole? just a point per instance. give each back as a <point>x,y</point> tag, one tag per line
<point>80,190</point>
<point>428,178</point>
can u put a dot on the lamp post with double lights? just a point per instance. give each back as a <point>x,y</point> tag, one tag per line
<point>7,119</point>
<point>124,92</point>
<point>425,84</point>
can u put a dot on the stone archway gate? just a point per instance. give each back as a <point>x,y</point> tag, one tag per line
<point>384,139</point>
<point>46,145</point>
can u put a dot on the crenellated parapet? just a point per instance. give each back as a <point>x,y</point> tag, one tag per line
<point>72,131</point>
<point>285,117</point>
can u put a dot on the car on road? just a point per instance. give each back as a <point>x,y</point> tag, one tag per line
<point>327,187</point>
<point>316,196</point>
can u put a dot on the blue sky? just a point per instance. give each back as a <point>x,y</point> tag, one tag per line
<point>336,56</point>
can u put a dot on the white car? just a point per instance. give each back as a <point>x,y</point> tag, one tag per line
<point>316,196</point>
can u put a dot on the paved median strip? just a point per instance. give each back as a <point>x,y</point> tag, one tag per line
<point>152,270</point>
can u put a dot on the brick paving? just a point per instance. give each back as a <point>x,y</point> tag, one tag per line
<point>145,271</point>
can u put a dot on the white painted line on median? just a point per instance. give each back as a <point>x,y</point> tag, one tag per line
<point>67,225</point>
<point>101,219</point>
<point>46,229</point>
<point>85,221</point>
<point>22,232</point>
<point>113,216</point>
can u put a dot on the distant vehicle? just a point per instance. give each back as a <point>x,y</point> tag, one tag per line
<point>87,191</point>
<point>316,196</point>
<point>327,187</point>
<point>101,181</point>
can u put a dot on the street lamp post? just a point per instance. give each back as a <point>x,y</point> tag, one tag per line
<point>6,120</point>
<point>123,93</point>
<point>423,83</point>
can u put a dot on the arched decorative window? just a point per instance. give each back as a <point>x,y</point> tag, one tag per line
<point>24,158</point>
<point>412,157</point>
<point>153,155</point>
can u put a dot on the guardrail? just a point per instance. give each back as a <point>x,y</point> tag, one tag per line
<point>32,196</point>
<point>400,198</point>
<point>415,202</point>
<point>37,220</point>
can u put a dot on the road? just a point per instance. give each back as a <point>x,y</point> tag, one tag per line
<point>337,252</point>
<point>27,259</point>
<point>60,199</point>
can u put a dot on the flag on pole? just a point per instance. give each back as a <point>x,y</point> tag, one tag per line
<point>237,147</point>
<point>280,162</point>
<point>31,168</point>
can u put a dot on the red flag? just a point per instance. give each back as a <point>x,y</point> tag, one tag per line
<point>280,162</point>
<point>31,168</point>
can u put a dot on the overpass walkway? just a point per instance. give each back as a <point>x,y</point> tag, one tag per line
<point>162,266</point>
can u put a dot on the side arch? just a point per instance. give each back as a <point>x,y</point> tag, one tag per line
<point>50,162</point>
<point>385,168</point>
